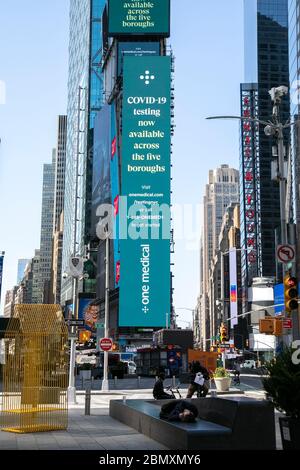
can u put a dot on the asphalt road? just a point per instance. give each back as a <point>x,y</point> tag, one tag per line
<point>248,383</point>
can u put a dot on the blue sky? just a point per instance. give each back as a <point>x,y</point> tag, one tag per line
<point>207,41</point>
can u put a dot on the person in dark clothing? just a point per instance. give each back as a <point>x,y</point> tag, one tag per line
<point>179,411</point>
<point>158,389</point>
<point>195,368</point>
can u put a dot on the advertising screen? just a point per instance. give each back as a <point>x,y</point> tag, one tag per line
<point>233,287</point>
<point>101,164</point>
<point>145,191</point>
<point>88,313</point>
<point>139,17</point>
<point>279,299</point>
<point>115,194</point>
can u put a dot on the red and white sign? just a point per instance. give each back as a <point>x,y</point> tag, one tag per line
<point>286,253</point>
<point>250,176</point>
<point>106,344</point>
<point>287,323</point>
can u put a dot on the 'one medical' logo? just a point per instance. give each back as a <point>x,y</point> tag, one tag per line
<point>147,77</point>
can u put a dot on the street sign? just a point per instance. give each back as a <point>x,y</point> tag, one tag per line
<point>287,323</point>
<point>75,322</point>
<point>225,346</point>
<point>286,253</point>
<point>73,336</point>
<point>106,344</point>
<point>99,325</point>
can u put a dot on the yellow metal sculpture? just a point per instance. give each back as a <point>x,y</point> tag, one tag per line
<point>35,373</point>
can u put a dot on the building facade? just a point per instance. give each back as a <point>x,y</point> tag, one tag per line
<point>56,271</point>
<point>22,263</point>
<point>59,197</point>
<point>294,50</point>
<point>9,303</point>
<point>46,230</point>
<point>85,97</point>
<point>60,169</point>
<point>223,305</point>
<point>266,66</point>
<point>222,190</point>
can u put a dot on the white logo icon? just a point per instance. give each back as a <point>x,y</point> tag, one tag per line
<point>147,77</point>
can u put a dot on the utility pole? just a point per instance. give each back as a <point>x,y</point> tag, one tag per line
<point>105,382</point>
<point>274,128</point>
<point>276,96</point>
<point>71,387</point>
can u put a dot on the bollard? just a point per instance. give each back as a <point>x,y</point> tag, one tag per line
<point>173,381</point>
<point>115,381</point>
<point>93,378</point>
<point>139,382</point>
<point>87,411</point>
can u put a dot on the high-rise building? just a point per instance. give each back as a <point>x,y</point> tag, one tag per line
<point>59,197</point>
<point>85,97</point>
<point>46,230</point>
<point>60,169</point>
<point>222,190</point>
<point>2,253</point>
<point>22,263</point>
<point>56,273</point>
<point>266,66</point>
<point>9,302</point>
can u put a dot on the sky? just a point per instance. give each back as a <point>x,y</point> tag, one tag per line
<point>207,42</point>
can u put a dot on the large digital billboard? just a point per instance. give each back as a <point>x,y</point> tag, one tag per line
<point>145,188</point>
<point>115,193</point>
<point>101,189</point>
<point>139,18</point>
<point>233,287</point>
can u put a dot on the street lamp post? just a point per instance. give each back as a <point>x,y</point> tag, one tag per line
<point>105,382</point>
<point>71,387</point>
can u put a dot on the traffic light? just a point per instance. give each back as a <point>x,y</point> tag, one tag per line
<point>84,336</point>
<point>290,293</point>
<point>223,333</point>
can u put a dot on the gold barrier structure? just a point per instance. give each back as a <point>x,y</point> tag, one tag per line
<point>35,373</point>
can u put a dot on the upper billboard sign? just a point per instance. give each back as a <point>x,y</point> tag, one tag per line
<point>139,18</point>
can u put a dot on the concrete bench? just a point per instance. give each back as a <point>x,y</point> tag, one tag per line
<point>231,423</point>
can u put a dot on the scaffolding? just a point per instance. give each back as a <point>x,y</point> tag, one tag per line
<point>35,372</point>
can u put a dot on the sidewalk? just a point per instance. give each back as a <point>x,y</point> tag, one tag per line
<point>96,432</point>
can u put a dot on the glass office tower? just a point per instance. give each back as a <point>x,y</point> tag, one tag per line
<point>266,66</point>
<point>85,90</point>
<point>294,48</point>
<point>294,31</point>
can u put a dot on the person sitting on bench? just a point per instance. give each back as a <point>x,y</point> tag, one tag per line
<point>179,411</point>
<point>158,389</point>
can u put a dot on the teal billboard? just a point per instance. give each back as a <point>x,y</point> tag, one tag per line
<point>139,18</point>
<point>145,190</point>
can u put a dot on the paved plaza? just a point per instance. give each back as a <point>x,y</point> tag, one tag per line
<point>98,431</point>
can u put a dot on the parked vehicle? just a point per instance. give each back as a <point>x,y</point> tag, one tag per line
<point>131,367</point>
<point>249,364</point>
